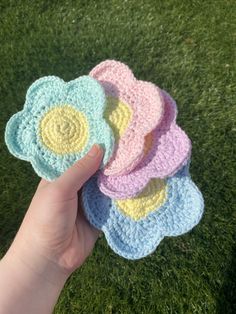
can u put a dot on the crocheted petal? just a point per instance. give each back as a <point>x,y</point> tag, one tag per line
<point>184,207</point>
<point>126,237</point>
<point>96,205</point>
<point>172,150</point>
<point>124,186</point>
<point>128,154</point>
<point>114,76</point>
<point>46,91</point>
<point>130,239</point>
<point>43,169</point>
<point>87,95</point>
<point>18,135</point>
<point>128,186</point>
<point>150,107</point>
<point>148,112</point>
<point>170,110</point>
<point>104,137</point>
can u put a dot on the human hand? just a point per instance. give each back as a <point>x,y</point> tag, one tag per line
<point>54,238</point>
<point>54,225</point>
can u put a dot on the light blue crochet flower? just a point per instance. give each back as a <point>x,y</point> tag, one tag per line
<point>134,239</point>
<point>58,125</point>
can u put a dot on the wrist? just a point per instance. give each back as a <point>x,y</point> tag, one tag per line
<point>28,287</point>
<point>30,264</point>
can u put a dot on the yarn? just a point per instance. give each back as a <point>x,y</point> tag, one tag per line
<point>132,238</point>
<point>118,115</point>
<point>143,190</point>
<point>152,197</point>
<point>170,150</point>
<point>58,125</point>
<point>64,130</point>
<point>146,104</point>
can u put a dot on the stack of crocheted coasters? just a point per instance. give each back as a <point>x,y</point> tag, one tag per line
<point>143,191</point>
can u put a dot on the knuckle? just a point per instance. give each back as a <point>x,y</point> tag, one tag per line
<point>84,164</point>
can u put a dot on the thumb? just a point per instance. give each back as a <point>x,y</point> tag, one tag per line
<point>73,179</point>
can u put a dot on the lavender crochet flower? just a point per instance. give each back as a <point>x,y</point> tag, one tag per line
<point>169,150</point>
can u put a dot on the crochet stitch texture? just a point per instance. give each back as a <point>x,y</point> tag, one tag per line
<point>170,150</point>
<point>58,125</point>
<point>145,103</point>
<point>143,191</point>
<point>177,213</point>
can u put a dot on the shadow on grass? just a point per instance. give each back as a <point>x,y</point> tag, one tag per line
<point>227,296</point>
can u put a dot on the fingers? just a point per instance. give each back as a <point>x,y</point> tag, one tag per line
<point>73,179</point>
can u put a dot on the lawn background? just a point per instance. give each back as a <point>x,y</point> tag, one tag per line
<point>185,47</point>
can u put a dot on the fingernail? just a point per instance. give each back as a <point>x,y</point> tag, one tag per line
<point>94,150</point>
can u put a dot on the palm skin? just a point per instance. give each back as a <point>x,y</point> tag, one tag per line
<point>53,240</point>
<point>54,225</point>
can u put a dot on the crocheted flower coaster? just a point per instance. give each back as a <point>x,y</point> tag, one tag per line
<point>59,124</point>
<point>134,109</point>
<point>134,227</point>
<point>168,151</point>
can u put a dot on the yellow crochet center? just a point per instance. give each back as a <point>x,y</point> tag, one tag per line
<point>118,116</point>
<point>151,198</point>
<point>64,130</point>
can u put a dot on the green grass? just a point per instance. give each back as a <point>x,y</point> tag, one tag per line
<point>185,47</point>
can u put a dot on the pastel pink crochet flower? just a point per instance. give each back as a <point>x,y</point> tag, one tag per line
<point>146,103</point>
<point>171,149</point>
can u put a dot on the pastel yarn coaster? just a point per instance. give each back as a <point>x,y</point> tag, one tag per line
<point>59,123</point>
<point>134,227</point>
<point>169,150</point>
<point>134,109</point>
